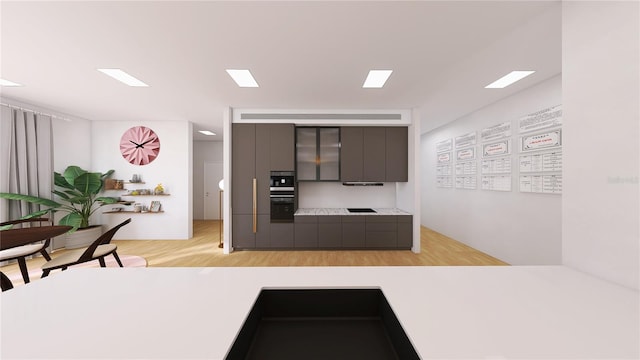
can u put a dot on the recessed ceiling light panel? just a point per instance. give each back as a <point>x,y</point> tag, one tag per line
<point>376,78</point>
<point>122,76</point>
<point>4,82</point>
<point>243,78</point>
<point>509,79</point>
<point>206,132</point>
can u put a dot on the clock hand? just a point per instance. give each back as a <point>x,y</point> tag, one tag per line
<point>137,145</point>
<point>141,145</point>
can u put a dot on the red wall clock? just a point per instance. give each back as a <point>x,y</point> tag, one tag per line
<point>139,145</point>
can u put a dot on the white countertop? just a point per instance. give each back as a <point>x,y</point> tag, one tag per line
<point>503,312</point>
<point>343,211</point>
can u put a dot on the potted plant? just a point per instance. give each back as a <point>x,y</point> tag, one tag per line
<point>77,190</point>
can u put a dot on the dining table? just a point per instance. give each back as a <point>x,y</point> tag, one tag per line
<point>23,236</point>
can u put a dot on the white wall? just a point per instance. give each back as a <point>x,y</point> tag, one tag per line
<point>172,168</point>
<point>335,195</point>
<point>203,152</point>
<point>519,228</point>
<point>601,98</point>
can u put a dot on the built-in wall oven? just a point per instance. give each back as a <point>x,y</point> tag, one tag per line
<point>282,193</point>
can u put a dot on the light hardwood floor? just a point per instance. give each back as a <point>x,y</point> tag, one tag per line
<point>202,251</point>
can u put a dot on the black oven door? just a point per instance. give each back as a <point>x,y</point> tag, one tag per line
<point>282,209</point>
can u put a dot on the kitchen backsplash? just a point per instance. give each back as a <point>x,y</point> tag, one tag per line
<point>335,195</point>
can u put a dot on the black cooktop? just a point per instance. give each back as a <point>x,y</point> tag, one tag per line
<point>360,210</point>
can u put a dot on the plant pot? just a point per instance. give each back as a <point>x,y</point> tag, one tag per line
<point>82,237</point>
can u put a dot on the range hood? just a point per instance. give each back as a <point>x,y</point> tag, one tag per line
<point>362,183</point>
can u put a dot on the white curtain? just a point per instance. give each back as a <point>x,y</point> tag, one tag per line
<point>26,161</point>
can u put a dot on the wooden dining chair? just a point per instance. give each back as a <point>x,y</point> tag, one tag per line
<point>98,250</point>
<point>5,282</point>
<point>21,253</point>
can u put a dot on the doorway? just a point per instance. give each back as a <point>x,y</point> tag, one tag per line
<point>213,173</point>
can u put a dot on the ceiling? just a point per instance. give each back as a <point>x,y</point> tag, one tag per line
<point>304,54</point>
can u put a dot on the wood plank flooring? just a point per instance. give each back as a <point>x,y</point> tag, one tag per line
<point>202,251</point>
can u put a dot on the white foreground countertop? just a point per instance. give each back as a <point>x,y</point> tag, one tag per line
<point>505,312</point>
<point>344,211</point>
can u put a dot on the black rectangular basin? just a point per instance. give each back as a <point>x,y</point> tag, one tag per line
<point>360,210</point>
<point>321,324</point>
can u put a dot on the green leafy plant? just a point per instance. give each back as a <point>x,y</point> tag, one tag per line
<point>78,192</point>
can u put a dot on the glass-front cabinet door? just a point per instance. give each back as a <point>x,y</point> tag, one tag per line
<point>318,153</point>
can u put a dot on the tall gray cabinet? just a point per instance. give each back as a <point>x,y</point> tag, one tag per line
<point>258,149</point>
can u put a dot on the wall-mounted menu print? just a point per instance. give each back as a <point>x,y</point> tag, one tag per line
<point>466,182</point>
<point>496,132</point>
<point>444,158</point>
<point>444,181</point>
<point>466,140</point>
<point>466,154</point>
<point>496,149</point>
<point>496,183</point>
<point>466,168</point>
<point>546,184</point>
<point>541,141</point>
<point>496,166</point>
<point>551,161</point>
<point>444,145</point>
<point>546,118</point>
<point>443,170</point>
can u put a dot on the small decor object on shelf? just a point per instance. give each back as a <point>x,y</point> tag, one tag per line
<point>139,145</point>
<point>159,190</point>
<point>155,206</point>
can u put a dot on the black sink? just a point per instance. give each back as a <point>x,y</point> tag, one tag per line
<point>360,210</point>
<point>322,324</point>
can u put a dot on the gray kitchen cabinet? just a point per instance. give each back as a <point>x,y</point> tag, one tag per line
<point>353,232</point>
<point>243,235</point>
<point>317,154</point>
<point>256,150</point>
<point>281,236</point>
<point>374,163</point>
<point>374,154</point>
<point>405,231</point>
<point>306,232</point>
<point>351,154</point>
<point>282,147</point>
<point>329,232</point>
<point>381,232</point>
<point>396,154</point>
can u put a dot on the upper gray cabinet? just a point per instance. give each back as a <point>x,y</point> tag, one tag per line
<point>317,154</point>
<point>374,154</point>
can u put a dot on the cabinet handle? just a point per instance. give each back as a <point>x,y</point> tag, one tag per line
<point>255,206</point>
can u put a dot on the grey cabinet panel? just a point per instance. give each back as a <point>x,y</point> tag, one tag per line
<point>351,154</point>
<point>281,235</point>
<point>353,232</point>
<point>374,143</point>
<point>306,235</point>
<point>405,218</point>
<point>330,235</point>
<point>305,219</point>
<point>263,231</point>
<point>381,239</point>
<point>263,167</point>
<point>329,219</point>
<point>405,234</point>
<point>382,226</point>
<point>242,228</point>
<point>381,218</point>
<point>243,151</point>
<point>397,152</point>
<point>282,147</point>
